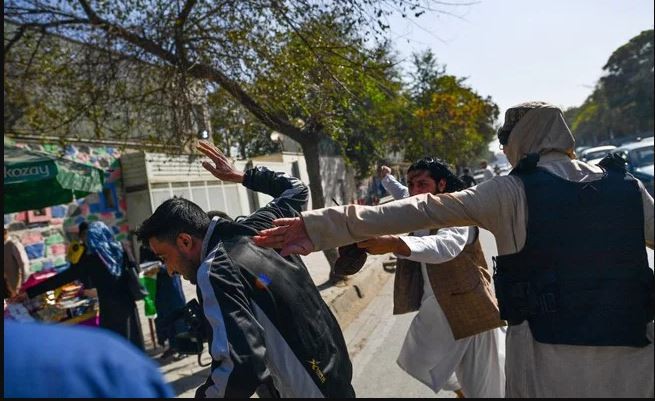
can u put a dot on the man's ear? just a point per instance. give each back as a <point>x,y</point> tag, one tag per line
<point>441,186</point>
<point>184,241</point>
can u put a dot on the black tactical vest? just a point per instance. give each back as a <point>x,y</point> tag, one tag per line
<point>582,277</point>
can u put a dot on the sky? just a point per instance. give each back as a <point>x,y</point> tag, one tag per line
<point>521,50</point>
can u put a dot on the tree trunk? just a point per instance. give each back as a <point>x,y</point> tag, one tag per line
<point>308,140</point>
<point>310,150</point>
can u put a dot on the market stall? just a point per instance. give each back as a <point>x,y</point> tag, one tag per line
<point>34,180</point>
<point>68,304</point>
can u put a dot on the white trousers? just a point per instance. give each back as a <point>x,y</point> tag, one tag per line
<point>431,355</point>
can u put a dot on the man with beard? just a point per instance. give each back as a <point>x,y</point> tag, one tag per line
<point>572,278</point>
<point>454,342</point>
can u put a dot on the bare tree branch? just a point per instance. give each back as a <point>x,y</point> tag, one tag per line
<point>128,36</point>
<point>179,31</point>
<point>22,28</point>
<point>275,122</point>
<point>14,39</point>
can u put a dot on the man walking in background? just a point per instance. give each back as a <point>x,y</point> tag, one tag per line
<point>487,171</point>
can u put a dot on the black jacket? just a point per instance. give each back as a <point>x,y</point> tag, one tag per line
<point>267,319</point>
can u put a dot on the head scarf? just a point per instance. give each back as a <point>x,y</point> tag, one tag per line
<point>536,127</point>
<point>100,240</point>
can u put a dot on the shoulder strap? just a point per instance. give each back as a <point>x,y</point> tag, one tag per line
<point>526,164</point>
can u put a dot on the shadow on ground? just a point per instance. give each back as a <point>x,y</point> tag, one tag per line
<point>190,382</point>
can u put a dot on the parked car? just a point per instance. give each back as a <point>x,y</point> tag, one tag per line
<point>579,149</point>
<point>593,155</point>
<point>639,158</point>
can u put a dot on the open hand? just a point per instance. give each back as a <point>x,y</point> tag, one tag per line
<point>223,169</point>
<point>290,236</point>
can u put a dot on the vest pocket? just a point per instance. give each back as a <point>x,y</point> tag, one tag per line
<point>465,282</point>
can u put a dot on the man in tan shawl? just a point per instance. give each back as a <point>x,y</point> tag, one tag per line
<point>500,205</point>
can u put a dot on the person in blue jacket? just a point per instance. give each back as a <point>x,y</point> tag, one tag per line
<point>56,361</point>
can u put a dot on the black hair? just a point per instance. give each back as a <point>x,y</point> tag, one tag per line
<point>82,227</point>
<point>221,214</point>
<point>174,216</point>
<point>438,169</point>
<point>503,134</point>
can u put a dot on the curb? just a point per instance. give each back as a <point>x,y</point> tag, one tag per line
<point>346,302</point>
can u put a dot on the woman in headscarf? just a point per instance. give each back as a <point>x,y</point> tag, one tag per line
<point>102,266</point>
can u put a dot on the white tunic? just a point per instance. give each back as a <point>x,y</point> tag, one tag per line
<point>430,353</point>
<point>499,205</point>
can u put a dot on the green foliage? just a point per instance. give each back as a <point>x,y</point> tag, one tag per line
<point>450,120</point>
<point>232,125</point>
<point>54,87</point>
<point>346,93</point>
<point>621,105</point>
<point>310,70</point>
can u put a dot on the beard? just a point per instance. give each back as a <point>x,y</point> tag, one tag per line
<point>189,269</point>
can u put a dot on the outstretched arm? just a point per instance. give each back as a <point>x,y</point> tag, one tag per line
<point>289,193</point>
<point>290,236</point>
<point>222,168</point>
<point>441,247</point>
<point>385,244</point>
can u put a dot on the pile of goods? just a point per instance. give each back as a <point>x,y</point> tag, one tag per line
<point>66,304</point>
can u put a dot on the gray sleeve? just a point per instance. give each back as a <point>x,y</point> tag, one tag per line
<point>394,187</point>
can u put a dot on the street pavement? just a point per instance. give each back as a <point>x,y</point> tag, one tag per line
<point>374,340</point>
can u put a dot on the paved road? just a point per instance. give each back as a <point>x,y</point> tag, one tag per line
<point>374,339</point>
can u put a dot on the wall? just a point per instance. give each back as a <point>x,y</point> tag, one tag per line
<point>47,235</point>
<point>338,181</point>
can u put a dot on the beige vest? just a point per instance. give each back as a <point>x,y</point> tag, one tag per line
<point>462,287</point>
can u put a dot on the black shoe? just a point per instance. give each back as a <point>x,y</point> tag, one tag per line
<point>167,354</point>
<point>351,260</point>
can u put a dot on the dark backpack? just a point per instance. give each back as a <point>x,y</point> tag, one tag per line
<point>131,276</point>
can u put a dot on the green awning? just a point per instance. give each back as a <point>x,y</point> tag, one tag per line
<point>34,180</point>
